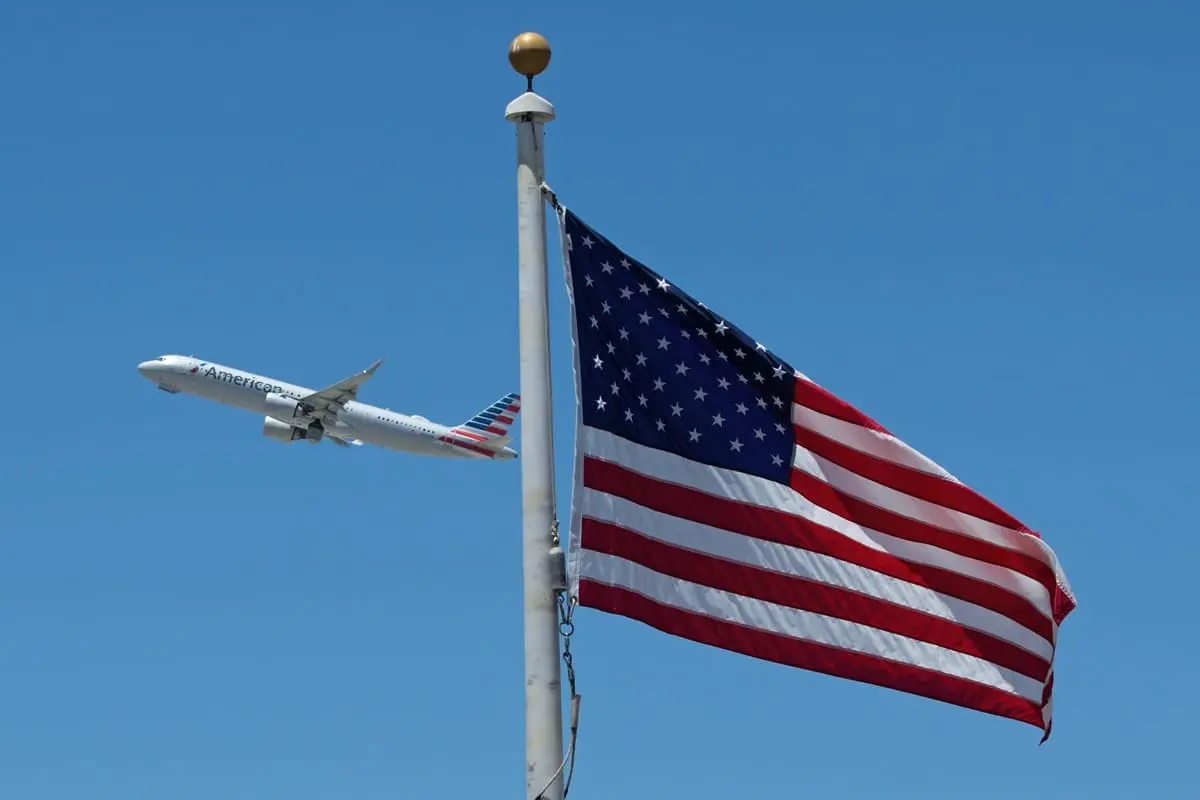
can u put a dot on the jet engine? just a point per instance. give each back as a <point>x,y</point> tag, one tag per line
<point>283,407</point>
<point>282,432</point>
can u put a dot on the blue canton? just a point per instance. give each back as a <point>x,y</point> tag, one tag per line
<point>658,368</point>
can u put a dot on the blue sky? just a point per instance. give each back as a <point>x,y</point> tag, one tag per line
<point>978,226</point>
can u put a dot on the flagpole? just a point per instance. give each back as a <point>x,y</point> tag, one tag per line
<point>542,568</point>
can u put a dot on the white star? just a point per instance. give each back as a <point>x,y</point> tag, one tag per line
<point>663,344</point>
<point>703,333</point>
<point>587,241</point>
<point>758,434</point>
<point>606,307</point>
<point>739,352</point>
<point>779,427</point>
<point>681,368</point>
<point>664,312</point>
<point>681,308</point>
<point>758,377</point>
<point>741,408</point>
<point>761,403</point>
<point>724,384</point>
<point>628,415</point>
<point>641,360</point>
<point>777,401</point>
<point>743,378</point>
<point>760,346</point>
<point>624,333</point>
<point>685,334</point>
<point>612,348</point>
<point>676,410</point>
<point>694,435</point>
<point>658,423</point>
<point>701,394</point>
<point>644,318</point>
<point>625,263</point>
<point>776,460</point>
<point>627,374</point>
<point>663,284</point>
<point>606,267</point>
<point>600,404</point>
<point>703,356</point>
<point>595,322</point>
<point>626,293</point>
<point>735,446</point>
<point>643,288</point>
<point>642,400</point>
<point>615,389</point>
<point>597,362</point>
<point>779,372</point>
<point>587,279</point>
<point>722,327</point>
<point>721,355</point>
<point>659,384</point>
<point>718,420</point>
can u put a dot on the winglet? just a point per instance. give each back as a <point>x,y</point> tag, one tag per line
<point>371,369</point>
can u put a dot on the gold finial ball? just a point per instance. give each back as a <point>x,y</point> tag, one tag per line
<point>529,54</point>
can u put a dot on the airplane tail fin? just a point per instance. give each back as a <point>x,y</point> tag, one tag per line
<point>490,426</point>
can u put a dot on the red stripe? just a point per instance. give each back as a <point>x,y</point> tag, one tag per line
<point>494,429</point>
<point>808,595</point>
<point>851,508</point>
<point>808,655</point>
<point>504,419</point>
<point>781,527</point>
<point>812,396</point>
<point>476,436</point>
<point>483,451</point>
<point>922,485</point>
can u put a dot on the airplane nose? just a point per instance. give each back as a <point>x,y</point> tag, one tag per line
<point>146,368</point>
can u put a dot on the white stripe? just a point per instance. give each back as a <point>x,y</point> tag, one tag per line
<point>764,493</point>
<point>802,625</point>
<point>886,446</point>
<point>799,563</point>
<point>867,440</point>
<point>889,499</point>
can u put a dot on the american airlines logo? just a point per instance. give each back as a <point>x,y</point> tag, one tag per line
<point>242,380</point>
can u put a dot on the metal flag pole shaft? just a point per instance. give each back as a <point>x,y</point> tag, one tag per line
<point>541,559</point>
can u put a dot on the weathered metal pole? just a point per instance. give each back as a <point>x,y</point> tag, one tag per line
<point>529,55</point>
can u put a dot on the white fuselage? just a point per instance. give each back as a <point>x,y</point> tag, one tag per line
<point>356,422</point>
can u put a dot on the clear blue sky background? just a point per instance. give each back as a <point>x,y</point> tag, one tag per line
<point>978,226</point>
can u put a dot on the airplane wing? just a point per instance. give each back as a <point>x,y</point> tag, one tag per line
<point>328,401</point>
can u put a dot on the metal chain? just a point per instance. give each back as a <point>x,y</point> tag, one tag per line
<point>566,629</point>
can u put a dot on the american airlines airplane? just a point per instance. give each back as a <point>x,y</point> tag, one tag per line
<point>335,413</point>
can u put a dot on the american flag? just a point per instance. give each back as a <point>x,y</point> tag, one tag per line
<point>723,497</point>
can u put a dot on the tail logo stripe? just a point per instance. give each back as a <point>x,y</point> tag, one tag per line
<point>493,422</point>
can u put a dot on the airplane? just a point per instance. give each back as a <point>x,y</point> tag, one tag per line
<point>293,413</point>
